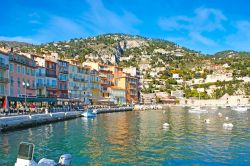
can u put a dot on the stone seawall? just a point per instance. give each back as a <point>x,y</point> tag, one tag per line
<point>23,121</point>
<point>110,110</point>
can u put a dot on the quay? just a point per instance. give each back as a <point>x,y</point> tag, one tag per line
<point>111,110</point>
<point>24,121</point>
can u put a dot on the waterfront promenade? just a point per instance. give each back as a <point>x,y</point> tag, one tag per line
<point>14,121</point>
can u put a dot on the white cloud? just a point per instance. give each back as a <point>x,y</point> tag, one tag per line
<point>204,20</point>
<point>241,38</point>
<point>19,39</point>
<point>102,20</point>
<point>60,28</point>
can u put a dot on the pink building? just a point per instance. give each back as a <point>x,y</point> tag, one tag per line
<point>22,76</point>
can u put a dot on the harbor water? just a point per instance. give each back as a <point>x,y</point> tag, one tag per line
<point>139,138</point>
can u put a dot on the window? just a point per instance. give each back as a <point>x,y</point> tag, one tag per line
<point>23,70</point>
<point>1,89</point>
<point>11,81</point>
<point>11,67</point>
<point>18,69</point>
<point>18,82</point>
<point>33,83</point>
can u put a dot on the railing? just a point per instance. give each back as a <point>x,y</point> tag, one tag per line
<point>76,87</point>
<point>60,79</point>
<point>62,88</point>
<point>4,66</point>
<point>40,96</point>
<point>79,79</point>
<point>4,80</point>
<point>31,88</point>
<point>40,74</point>
<point>64,71</point>
<point>40,85</point>
<point>51,86</point>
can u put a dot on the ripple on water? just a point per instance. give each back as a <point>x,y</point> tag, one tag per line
<point>138,138</point>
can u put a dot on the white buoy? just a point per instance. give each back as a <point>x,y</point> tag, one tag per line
<point>207,120</point>
<point>165,125</point>
<point>227,118</point>
<point>220,114</point>
<point>228,126</point>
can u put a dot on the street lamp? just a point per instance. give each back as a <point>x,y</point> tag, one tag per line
<point>25,86</point>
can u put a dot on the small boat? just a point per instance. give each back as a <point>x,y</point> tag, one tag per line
<point>89,114</point>
<point>25,157</point>
<point>240,108</point>
<point>197,110</point>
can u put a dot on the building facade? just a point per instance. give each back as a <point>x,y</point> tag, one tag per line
<point>51,78</point>
<point>4,74</point>
<point>22,76</point>
<point>63,74</point>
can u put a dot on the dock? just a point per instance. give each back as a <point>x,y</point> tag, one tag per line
<point>24,121</point>
<point>112,110</point>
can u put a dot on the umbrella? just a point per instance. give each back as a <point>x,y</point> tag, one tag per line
<point>5,103</point>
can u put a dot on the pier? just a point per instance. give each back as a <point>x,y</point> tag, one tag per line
<point>24,121</point>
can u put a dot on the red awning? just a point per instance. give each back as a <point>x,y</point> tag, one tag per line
<point>5,102</point>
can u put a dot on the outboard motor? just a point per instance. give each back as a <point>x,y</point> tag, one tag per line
<point>65,160</point>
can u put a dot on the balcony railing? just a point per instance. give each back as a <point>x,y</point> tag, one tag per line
<point>4,66</point>
<point>76,87</point>
<point>80,79</point>
<point>40,74</point>
<point>64,96</point>
<point>31,87</point>
<point>64,71</point>
<point>4,80</point>
<point>62,88</point>
<point>51,86</point>
<point>40,85</point>
<point>64,80</point>
<point>40,95</point>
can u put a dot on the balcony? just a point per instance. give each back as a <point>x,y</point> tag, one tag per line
<point>39,86</point>
<point>51,86</point>
<point>62,88</point>
<point>79,79</point>
<point>4,66</point>
<point>76,87</point>
<point>4,80</point>
<point>61,79</point>
<point>40,96</point>
<point>63,70</point>
<point>64,96</point>
<point>51,74</point>
<point>31,88</point>
<point>40,74</point>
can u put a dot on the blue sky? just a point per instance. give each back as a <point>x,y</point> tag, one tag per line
<point>202,25</point>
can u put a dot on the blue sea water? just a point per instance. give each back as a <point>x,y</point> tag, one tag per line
<point>138,138</point>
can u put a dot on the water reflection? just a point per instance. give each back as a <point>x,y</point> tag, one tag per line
<point>138,138</point>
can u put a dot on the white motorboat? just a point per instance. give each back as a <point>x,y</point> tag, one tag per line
<point>197,110</point>
<point>240,108</point>
<point>89,114</point>
<point>25,157</point>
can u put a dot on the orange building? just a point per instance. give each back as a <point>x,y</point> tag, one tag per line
<point>131,85</point>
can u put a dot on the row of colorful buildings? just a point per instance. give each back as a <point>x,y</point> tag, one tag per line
<point>48,77</point>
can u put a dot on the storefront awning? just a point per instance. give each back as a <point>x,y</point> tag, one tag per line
<point>32,99</point>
